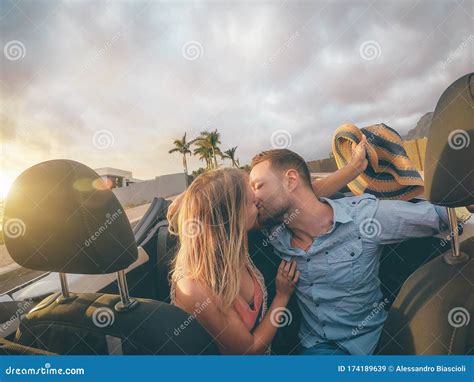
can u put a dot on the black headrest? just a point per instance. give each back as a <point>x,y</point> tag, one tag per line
<point>60,216</point>
<point>449,160</point>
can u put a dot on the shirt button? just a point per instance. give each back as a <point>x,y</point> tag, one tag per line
<point>317,306</point>
<point>311,284</point>
<point>353,202</point>
<point>326,252</point>
<point>308,260</point>
<point>352,253</point>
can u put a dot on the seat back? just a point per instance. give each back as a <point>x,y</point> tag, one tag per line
<point>449,179</point>
<point>91,325</point>
<point>155,213</point>
<point>161,248</point>
<point>432,313</point>
<point>71,222</point>
<point>398,261</point>
<point>12,348</point>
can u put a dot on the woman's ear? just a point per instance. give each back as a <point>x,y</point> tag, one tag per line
<point>173,212</point>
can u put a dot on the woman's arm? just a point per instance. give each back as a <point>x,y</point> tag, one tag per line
<point>331,184</point>
<point>227,329</point>
<point>263,334</point>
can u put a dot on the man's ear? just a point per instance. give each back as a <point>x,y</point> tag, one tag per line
<point>292,178</point>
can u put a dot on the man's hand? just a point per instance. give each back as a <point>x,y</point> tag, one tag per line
<point>334,182</point>
<point>359,158</point>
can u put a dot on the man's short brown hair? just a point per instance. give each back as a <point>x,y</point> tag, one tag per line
<point>284,159</point>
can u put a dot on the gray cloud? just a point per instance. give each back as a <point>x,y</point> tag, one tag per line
<point>260,67</point>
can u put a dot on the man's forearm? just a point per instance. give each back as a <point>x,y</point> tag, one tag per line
<point>403,220</point>
<point>325,187</point>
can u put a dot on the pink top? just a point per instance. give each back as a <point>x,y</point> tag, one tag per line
<point>247,314</point>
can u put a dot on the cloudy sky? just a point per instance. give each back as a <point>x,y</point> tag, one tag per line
<point>113,83</point>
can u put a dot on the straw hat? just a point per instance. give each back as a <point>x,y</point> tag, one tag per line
<point>390,174</point>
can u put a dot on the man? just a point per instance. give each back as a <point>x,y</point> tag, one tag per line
<point>337,245</point>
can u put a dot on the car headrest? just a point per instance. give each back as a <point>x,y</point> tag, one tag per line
<point>449,160</point>
<point>60,216</point>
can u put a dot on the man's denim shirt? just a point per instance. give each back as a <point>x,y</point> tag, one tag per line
<point>339,289</point>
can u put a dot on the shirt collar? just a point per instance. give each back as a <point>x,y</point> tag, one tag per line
<point>281,233</point>
<point>340,215</point>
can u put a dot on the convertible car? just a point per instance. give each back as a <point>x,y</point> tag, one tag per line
<point>101,286</point>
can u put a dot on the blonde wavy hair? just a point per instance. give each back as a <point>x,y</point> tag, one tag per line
<point>211,225</point>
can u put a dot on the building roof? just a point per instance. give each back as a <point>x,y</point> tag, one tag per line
<point>113,172</point>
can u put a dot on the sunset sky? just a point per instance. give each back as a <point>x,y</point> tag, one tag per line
<point>113,83</point>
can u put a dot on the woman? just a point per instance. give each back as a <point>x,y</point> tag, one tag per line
<point>214,278</point>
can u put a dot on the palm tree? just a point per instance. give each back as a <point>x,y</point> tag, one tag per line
<point>204,152</point>
<point>209,141</point>
<point>212,141</point>
<point>230,154</point>
<point>183,147</point>
<point>198,172</point>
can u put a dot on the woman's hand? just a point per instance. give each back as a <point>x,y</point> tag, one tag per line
<point>286,278</point>
<point>359,159</point>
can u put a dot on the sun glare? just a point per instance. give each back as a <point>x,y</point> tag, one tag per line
<point>5,184</point>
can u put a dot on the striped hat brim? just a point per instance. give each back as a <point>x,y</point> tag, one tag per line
<point>390,173</point>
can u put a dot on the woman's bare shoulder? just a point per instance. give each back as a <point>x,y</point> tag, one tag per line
<point>190,292</point>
